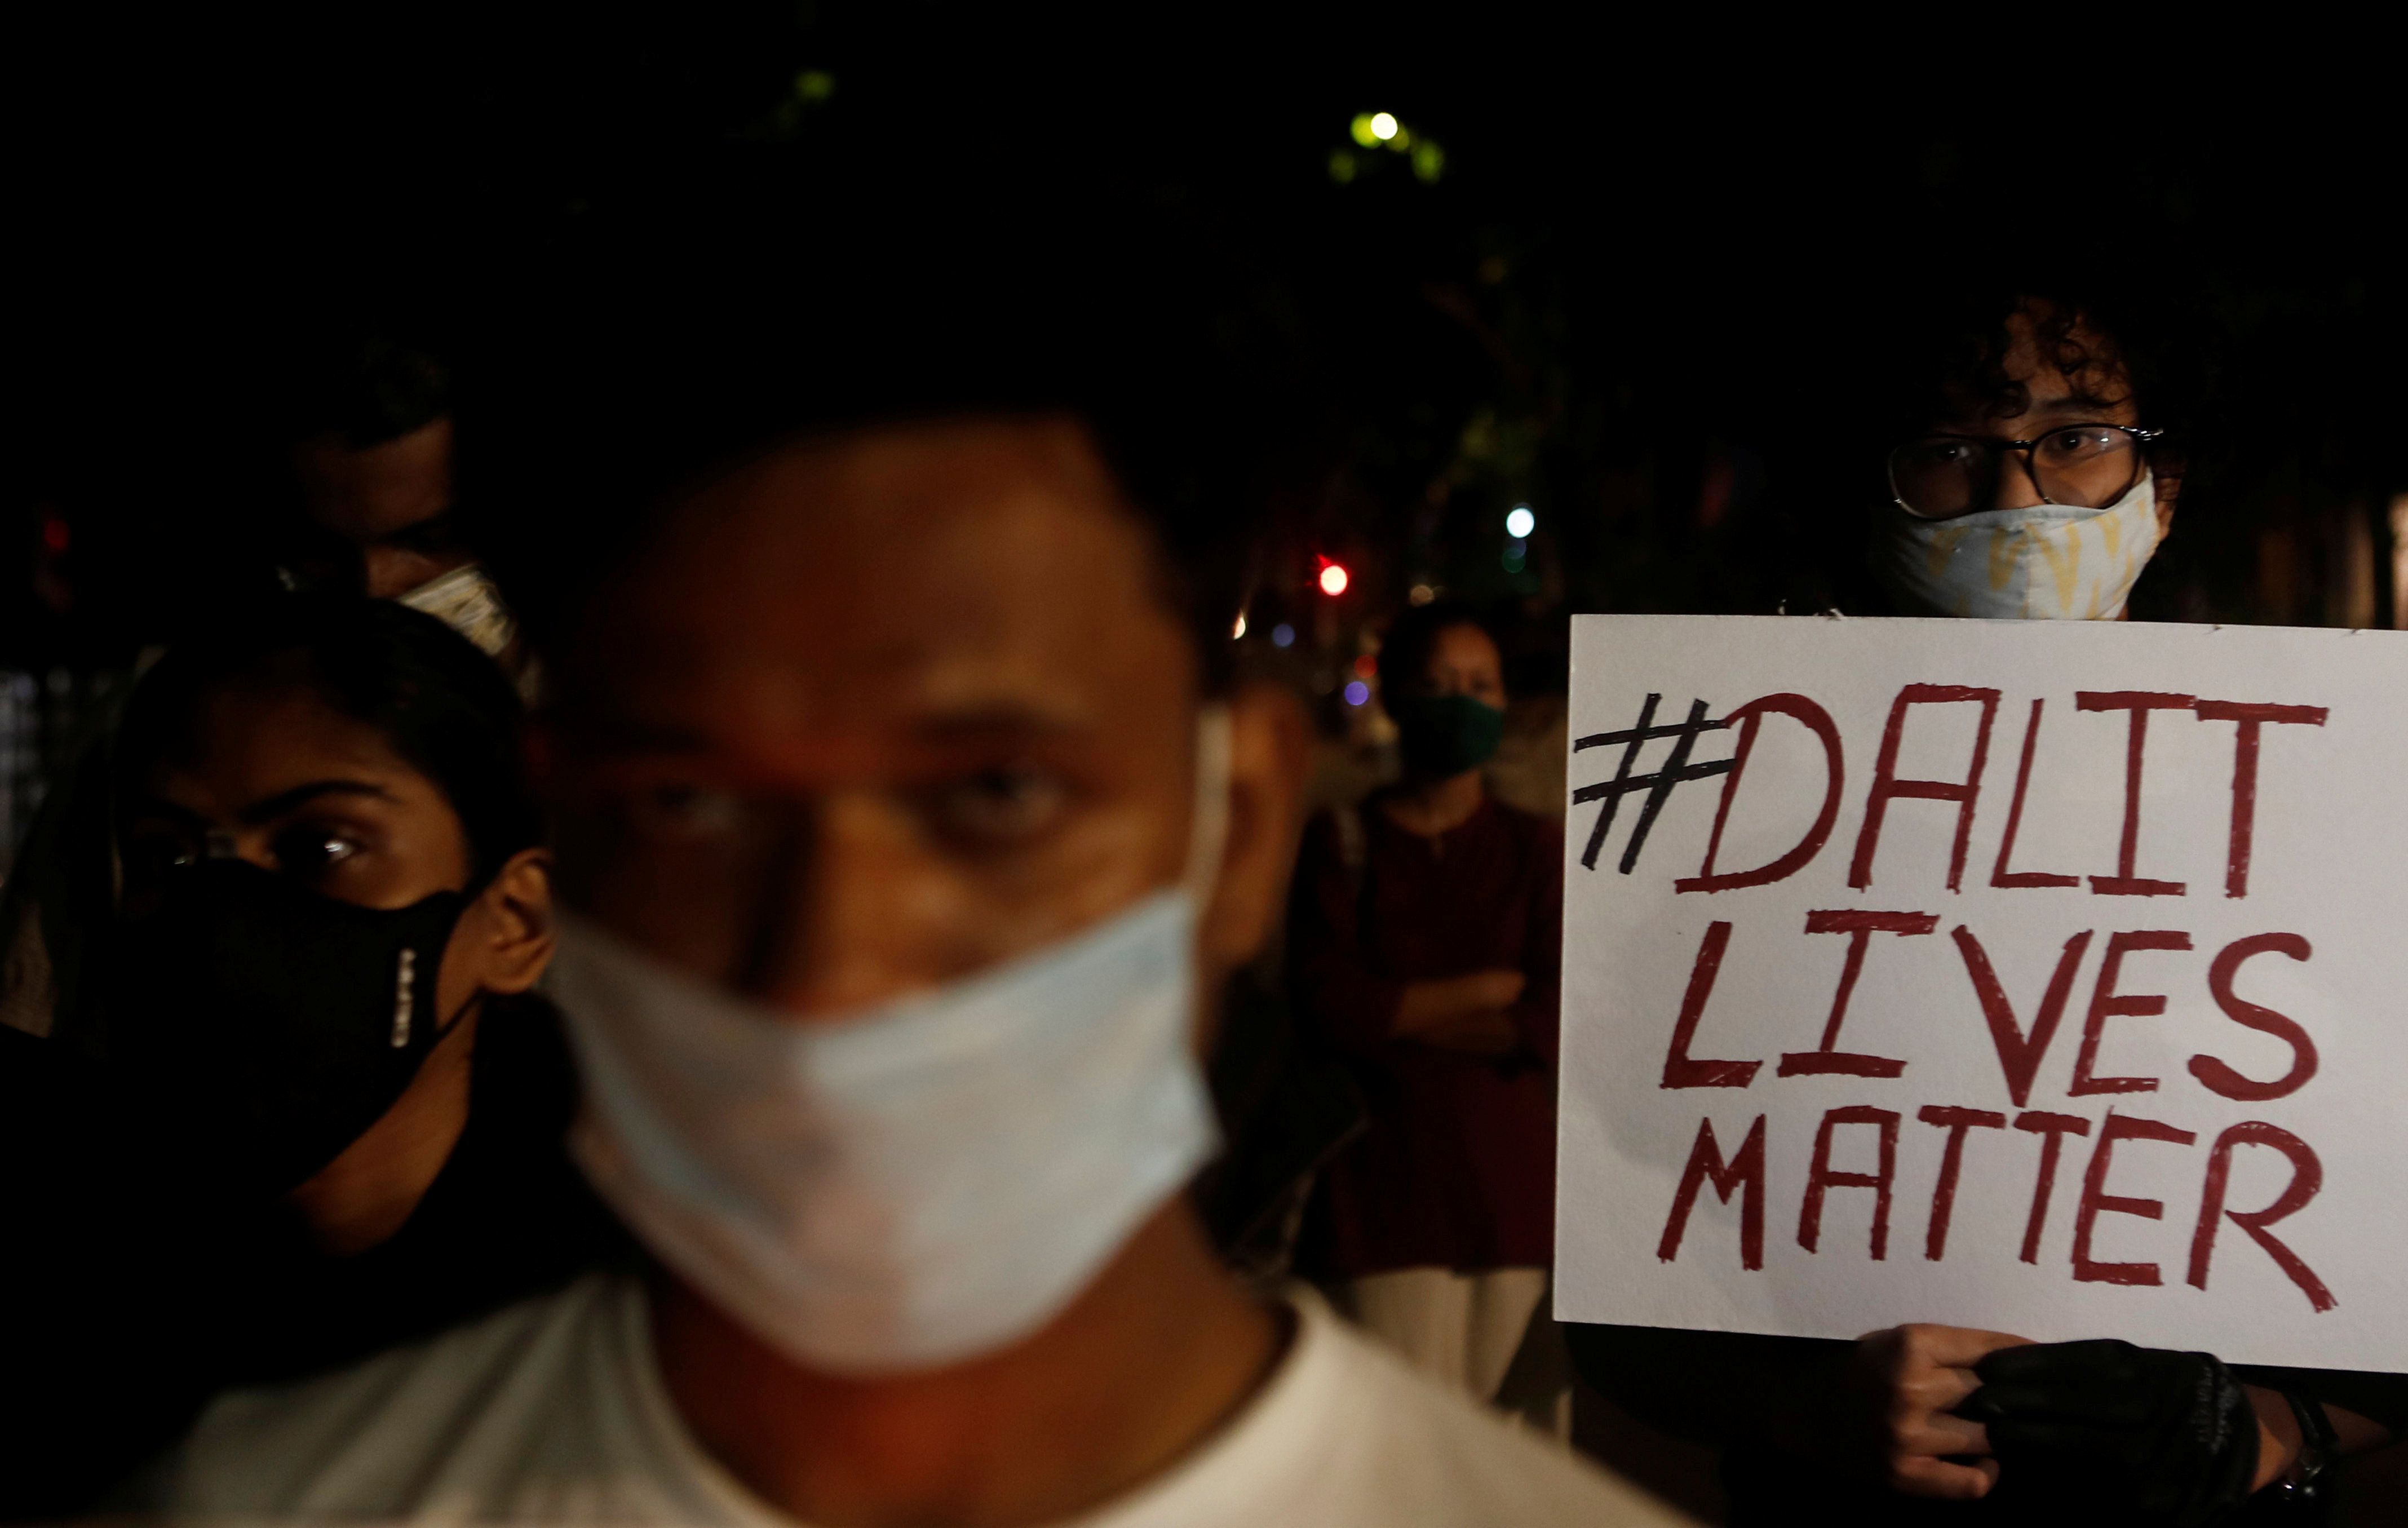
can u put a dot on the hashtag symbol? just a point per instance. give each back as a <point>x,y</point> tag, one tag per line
<point>1658,786</point>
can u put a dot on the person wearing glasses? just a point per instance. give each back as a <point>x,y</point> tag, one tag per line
<point>2035,495</point>
<point>2031,486</point>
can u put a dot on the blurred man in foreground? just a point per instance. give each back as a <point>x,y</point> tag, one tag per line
<point>906,810</point>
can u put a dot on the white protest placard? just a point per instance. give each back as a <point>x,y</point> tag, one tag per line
<point>2048,978</point>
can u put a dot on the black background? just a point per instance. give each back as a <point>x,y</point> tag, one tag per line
<point>1644,278</point>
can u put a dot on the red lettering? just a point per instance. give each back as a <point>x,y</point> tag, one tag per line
<point>1887,787</point>
<point>2097,1201</point>
<point>2000,874</point>
<point>1748,717</point>
<point>2052,1128</point>
<point>1826,1060</point>
<point>2019,1054</point>
<point>2251,717</point>
<point>2216,1075</point>
<point>1820,1178</point>
<point>1956,1122</point>
<point>2106,1003</point>
<point>1744,1172</point>
<point>2140,703</point>
<point>2307,1177</point>
<point>1679,1071</point>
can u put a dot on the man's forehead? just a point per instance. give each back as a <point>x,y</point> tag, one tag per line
<point>928,695</point>
<point>932,579</point>
<point>877,519</point>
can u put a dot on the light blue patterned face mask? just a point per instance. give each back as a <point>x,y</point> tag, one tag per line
<point>2045,561</point>
<point>925,1181</point>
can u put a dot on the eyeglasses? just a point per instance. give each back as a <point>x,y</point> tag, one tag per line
<point>2086,465</point>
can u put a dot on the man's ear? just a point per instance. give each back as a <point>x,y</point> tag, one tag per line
<point>517,908</point>
<point>2168,489</point>
<point>1270,757</point>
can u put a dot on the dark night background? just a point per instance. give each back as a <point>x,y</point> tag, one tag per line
<point>1632,288</point>
<point>1634,272</point>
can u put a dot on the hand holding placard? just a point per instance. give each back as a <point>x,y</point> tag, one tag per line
<point>2032,978</point>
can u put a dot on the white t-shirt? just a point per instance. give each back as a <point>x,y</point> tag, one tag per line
<point>553,1411</point>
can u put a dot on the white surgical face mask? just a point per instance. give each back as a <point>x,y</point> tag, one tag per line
<point>2046,561</point>
<point>921,1182</point>
<point>467,601</point>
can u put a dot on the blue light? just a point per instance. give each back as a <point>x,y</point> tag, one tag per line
<point>1283,635</point>
<point>1516,553</point>
<point>1357,693</point>
<point>1520,523</point>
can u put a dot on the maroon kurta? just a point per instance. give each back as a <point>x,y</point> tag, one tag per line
<point>1457,1167</point>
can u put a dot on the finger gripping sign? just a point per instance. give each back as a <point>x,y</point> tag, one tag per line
<point>2046,977</point>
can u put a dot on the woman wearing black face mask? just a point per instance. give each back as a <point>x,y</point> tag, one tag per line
<point>1422,944</point>
<point>332,1105</point>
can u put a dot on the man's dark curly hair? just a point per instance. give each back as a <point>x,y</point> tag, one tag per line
<point>1952,357</point>
<point>2092,360</point>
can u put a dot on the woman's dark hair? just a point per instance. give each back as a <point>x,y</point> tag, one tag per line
<point>443,706</point>
<point>1405,651</point>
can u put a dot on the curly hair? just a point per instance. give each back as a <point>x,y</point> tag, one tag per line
<point>1949,356</point>
<point>2091,358</point>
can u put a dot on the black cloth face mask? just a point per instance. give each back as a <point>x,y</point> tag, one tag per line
<point>1443,735</point>
<point>263,1027</point>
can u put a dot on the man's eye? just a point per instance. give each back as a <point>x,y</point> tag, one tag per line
<point>678,812</point>
<point>1000,806</point>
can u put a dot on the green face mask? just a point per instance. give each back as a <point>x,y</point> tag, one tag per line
<point>1446,734</point>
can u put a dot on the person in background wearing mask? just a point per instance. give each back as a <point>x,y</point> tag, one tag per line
<point>371,511</point>
<point>372,462</point>
<point>2035,492</point>
<point>2033,487</point>
<point>1424,944</point>
<point>906,811</point>
<point>321,1086</point>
